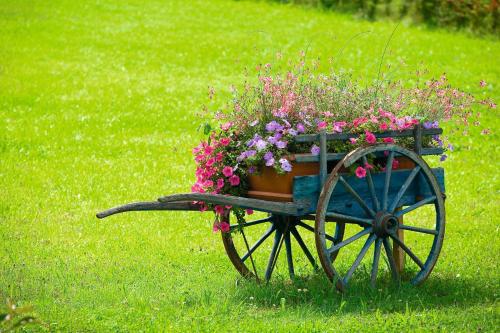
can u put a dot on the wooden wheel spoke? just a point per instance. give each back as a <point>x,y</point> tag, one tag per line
<point>407,250</point>
<point>356,196</point>
<point>289,258</point>
<point>388,172</point>
<point>404,187</point>
<point>390,258</point>
<point>360,257</point>
<point>417,229</point>
<point>376,258</point>
<point>248,224</point>
<point>350,219</point>
<point>311,229</point>
<point>415,206</point>
<point>258,243</point>
<point>303,246</point>
<point>371,186</point>
<point>274,253</point>
<point>349,240</point>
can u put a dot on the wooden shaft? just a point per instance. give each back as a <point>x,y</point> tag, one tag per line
<point>397,251</point>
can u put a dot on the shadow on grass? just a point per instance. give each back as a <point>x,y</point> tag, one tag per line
<point>319,294</point>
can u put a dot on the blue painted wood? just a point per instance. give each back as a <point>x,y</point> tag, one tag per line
<point>385,134</point>
<point>306,188</point>
<point>304,158</point>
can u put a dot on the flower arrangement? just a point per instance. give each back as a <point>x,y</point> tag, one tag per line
<point>259,127</point>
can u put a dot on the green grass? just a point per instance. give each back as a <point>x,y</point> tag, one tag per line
<point>98,105</point>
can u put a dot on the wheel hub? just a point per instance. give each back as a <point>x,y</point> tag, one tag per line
<point>385,224</point>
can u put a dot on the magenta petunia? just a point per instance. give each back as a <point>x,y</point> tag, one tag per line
<point>249,211</point>
<point>225,141</point>
<point>360,172</point>
<point>227,171</point>
<point>225,227</point>
<point>370,137</point>
<point>220,183</point>
<point>219,209</point>
<point>388,140</point>
<point>234,180</point>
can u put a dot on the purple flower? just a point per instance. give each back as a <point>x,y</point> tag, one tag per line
<point>246,154</point>
<point>438,140</point>
<point>281,144</point>
<point>268,156</point>
<point>252,142</point>
<point>273,126</point>
<point>275,138</point>
<point>431,124</point>
<point>285,165</point>
<point>260,144</point>
<point>250,153</point>
<point>252,169</point>
<point>292,132</point>
<point>450,147</point>
<point>315,150</point>
<point>270,162</point>
<point>443,157</point>
<point>300,128</point>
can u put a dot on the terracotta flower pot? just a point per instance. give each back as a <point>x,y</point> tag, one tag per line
<point>269,185</point>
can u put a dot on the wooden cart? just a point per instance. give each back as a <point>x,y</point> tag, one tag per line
<point>350,214</point>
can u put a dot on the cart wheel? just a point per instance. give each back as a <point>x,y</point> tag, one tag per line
<point>260,241</point>
<point>380,217</point>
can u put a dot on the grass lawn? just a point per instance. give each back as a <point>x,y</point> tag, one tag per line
<point>98,103</point>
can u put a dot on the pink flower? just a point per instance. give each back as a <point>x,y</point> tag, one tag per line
<point>338,125</point>
<point>210,161</point>
<point>209,150</point>
<point>388,140</point>
<point>227,171</point>
<point>215,228</point>
<point>224,227</point>
<point>370,138</point>
<point>226,126</point>
<point>219,210</point>
<point>373,119</point>
<point>360,172</point>
<point>203,206</point>
<point>220,183</point>
<point>368,166</point>
<point>359,121</point>
<point>395,164</point>
<point>249,211</point>
<point>482,83</point>
<point>353,141</point>
<point>234,180</point>
<point>219,157</point>
<point>208,183</point>
<point>383,127</point>
<point>322,125</point>
<point>225,141</point>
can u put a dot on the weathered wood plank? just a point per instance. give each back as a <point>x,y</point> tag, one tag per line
<point>306,187</point>
<point>302,158</point>
<point>145,206</point>
<point>287,208</point>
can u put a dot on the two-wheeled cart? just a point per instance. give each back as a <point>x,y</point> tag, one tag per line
<point>397,210</point>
